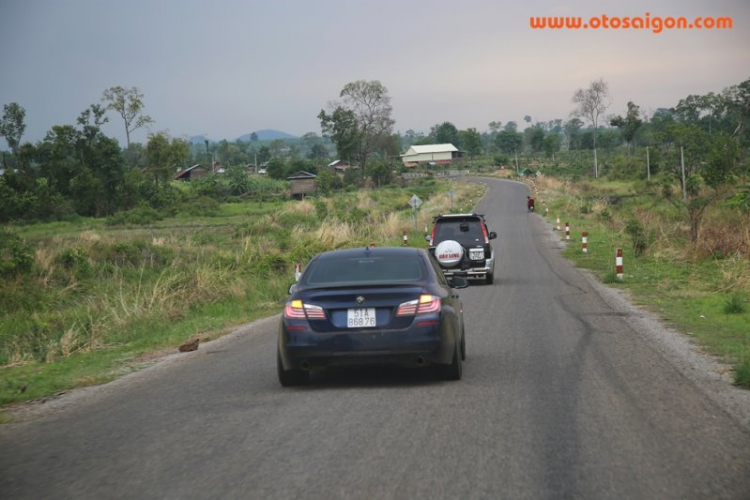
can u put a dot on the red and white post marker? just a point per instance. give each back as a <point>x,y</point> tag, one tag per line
<point>406,239</point>
<point>558,223</point>
<point>584,242</point>
<point>567,230</point>
<point>297,271</point>
<point>618,264</point>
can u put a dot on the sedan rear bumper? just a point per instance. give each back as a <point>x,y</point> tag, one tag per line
<point>418,347</point>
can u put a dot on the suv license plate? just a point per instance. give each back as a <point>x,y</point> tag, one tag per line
<point>476,253</point>
<point>360,318</point>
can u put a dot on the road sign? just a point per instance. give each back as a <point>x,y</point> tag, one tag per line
<point>414,202</point>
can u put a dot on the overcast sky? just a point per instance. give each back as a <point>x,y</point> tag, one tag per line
<point>229,67</point>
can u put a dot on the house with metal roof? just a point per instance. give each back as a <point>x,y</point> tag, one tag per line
<point>435,154</point>
<point>194,172</point>
<point>302,183</point>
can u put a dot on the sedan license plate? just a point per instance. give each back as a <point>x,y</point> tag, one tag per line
<point>476,253</point>
<point>360,318</point>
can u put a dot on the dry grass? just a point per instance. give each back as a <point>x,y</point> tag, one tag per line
<point>725,235</point>
<point>364,201</point>
<point>390,226</point>
<point>735,273</point>
<point>303,207</point>
<point>332,233</point>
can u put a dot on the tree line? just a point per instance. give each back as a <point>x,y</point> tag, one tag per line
<point>78,170</point>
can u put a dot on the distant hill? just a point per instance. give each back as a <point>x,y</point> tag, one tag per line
<point>267,135</point>
<point>263,135</point>
<point>200,139</point>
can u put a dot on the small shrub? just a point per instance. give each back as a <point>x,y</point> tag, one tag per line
<point>143,215</point>
<point>611,278</point>
<point>76,261</point>
<point>16,256</point>
<point>321,209</point>
<point>135,253</point>
<point>202,206</point>
<point>638,235</point>
<point>734,304</point>
<point>742,374</point>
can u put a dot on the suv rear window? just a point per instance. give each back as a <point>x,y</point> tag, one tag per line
<point>459,230</point>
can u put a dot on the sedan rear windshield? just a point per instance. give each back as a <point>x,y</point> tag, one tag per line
<point>399,269</point>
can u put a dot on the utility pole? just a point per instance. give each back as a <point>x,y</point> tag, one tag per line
<point>682,165</point>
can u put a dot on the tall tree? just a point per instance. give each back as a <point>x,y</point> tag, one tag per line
<point>164,155</point>
<point>446,133</point>
<point>737,98</point>
<point>471,141</point>
<point>628,124</point>
<point>128,103</point>
<point>573,133</point>
<point>535,138</point>
<point>591,104</point>
<point>508,141</point>
<point>12,127</point>
<point>551,144</point>
<point>361,121</point>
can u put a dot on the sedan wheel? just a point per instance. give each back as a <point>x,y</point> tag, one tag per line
<point>289,378</point>
<point>454,370</point>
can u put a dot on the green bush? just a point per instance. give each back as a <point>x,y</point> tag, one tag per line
<point>734,304</point>
<point>16,256</point>
<point>136,253</point>
<point>75,261</point>
<point>742,374</point>
<point>637,233</point>
<point>141,216</point>
<point>321,209</point>
<point>202,206</point>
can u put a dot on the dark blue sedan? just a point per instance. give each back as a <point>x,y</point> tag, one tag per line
<point>372,306</point>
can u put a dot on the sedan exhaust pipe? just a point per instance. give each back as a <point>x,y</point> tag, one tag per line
<point>420,361</point>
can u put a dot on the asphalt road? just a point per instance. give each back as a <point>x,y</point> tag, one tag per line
<point>561,398</point>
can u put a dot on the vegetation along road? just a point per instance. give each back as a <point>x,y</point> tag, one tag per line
<point>562,397</point>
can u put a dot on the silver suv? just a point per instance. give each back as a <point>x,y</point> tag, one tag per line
<point>461,244</point>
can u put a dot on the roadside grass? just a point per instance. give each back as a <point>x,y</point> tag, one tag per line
<point>700,289</point>
<point>100,299</point>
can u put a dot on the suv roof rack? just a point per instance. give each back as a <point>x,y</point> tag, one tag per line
<point>473,214</point>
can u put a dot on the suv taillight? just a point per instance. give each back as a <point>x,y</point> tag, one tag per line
<point>432,235</point>
<point>484,233</point>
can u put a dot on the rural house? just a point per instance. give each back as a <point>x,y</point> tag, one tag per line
<point>194,172</point>
<point>339,166</point>
<point>302,183</point>
<point>436,154</point>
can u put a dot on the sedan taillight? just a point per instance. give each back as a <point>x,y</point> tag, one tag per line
<point>424,305</point>
<point>297,310</point>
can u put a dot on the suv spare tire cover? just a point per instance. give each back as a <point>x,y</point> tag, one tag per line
<point>449,253</point>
